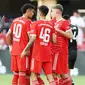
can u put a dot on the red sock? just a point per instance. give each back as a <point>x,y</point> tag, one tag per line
<point>41,81</point>
<point>52,83</point>
<point>22,78</point>
<point>35,82</point>
<point>56,81</point>
<point>15,78</point>
<point>27,81</point>
<point>67,81</point>
<point>60,81</point>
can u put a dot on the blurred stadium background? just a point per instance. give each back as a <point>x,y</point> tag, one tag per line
<point>11,9</point>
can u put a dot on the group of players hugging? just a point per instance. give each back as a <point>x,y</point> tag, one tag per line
<point>42,44</point>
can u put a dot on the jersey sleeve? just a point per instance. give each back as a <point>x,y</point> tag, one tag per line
<point>66,26</point>
<point>34,28</point>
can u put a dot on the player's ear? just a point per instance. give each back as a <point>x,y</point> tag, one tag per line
<point>27,10</point>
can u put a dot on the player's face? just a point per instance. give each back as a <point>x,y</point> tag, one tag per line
<point>53,13</point>
<point>75,14</point>
<point>30,13</point>
<point>38,14</point>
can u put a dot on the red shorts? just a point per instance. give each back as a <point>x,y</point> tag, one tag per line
<point>60,63</point>
<point>20,64</point>
<point>36,66</point>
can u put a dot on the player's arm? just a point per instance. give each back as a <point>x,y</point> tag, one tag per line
<point>9,39</point>
<point>30,43</point>
<point>67,33</point>
<point>53,38</point>
<point>32,38</point>
<point>66,30</point>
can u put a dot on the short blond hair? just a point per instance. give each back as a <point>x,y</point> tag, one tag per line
<point>58,6</point>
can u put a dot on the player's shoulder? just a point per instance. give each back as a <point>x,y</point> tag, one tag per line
<point>26,19</point>
<point>38,22</point>
<point>64,21</point>
<point>34,22</point>
<point>52,21</point>
<point>47,23</point>
<point>16,19</point>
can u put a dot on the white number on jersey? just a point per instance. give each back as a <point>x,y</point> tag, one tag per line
<point>44,34</point>
<point>17,30</point>
<point>74,34</point>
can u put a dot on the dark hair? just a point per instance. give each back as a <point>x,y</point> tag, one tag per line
<point>58,6</point>
<point>44,9</point>
<point>75,11</point>
<point>67,17</point>
<point>34,17</point>
<point>26,6</point>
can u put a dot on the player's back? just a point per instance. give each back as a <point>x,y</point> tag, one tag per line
<point>42,45</point>
<point>73,42</point>
<point>20,26</point>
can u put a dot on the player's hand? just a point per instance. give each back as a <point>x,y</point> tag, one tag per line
<point>24,53</point>
<point>10,48</point>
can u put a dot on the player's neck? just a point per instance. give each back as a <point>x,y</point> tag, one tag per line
<point>24,15</point>
<point>59,17</point>
<point>42,18</point>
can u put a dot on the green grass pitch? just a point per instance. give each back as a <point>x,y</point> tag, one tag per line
<point>6,79</point>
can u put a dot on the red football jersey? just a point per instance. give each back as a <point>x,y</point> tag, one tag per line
<point>19,28</point>
<point>62,41</point>
<point>42,46</point>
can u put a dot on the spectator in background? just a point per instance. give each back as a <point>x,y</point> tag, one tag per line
<point>77,20</point>
<point>4,24</point>
<point>3,44</point>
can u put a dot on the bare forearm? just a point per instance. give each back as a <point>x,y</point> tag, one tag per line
<point>9,39</point>
<point>66,34</point>
<point>30,43</point>
<point>54,39</point>
<point>28,46</point>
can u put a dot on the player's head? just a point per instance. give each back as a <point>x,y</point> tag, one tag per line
<point>43,10</point>
<point>28,9</point>
<point>75,13</point>
<point>67,17</point>
<point>56,10</point>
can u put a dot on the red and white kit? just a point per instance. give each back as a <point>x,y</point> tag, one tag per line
<point>20,28</point>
